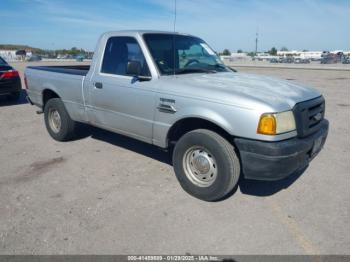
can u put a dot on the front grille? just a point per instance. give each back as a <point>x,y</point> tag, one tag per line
<point>308,115</point>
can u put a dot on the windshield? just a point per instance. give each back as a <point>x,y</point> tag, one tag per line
<point>191,55</point>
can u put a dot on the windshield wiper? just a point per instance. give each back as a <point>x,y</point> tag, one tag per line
<point>194,70</point>
<point>221,66</point>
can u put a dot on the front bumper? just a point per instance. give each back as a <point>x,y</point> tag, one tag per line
<point>277,160</point>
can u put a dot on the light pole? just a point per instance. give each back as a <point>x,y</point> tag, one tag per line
<point>256,42</point>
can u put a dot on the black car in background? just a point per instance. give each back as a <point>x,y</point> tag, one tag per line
<point>10,82</point>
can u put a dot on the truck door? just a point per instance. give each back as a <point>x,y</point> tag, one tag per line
<point>118,101</point>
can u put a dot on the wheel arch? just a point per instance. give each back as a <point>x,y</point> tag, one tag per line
<point>189,123</point>
<point>48,94</point>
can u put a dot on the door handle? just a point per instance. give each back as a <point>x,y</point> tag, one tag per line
<point>98,85</point>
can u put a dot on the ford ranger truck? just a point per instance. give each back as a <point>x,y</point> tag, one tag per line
<point>173,91</point>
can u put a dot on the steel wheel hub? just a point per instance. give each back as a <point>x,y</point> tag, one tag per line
<point>200,166</point>
<point>54,120</point>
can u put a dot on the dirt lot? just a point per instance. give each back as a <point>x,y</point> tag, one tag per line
<point>108,194</point>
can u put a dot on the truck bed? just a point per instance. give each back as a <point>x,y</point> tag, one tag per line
<point>66,81</point>
<point>71,69</point>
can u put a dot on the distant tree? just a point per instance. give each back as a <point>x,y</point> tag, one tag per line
<point>251,54</point>
<point>284,48</point>
<point>273,51</point>
<point>226,52</point>
<point>46,52</point>
<point>239,51</point>
<point>305,50</point>
<point>74,51</point>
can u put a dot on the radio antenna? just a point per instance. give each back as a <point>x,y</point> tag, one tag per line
<point>174,30</point>
<point>175,13</point>
<point>256,40</point>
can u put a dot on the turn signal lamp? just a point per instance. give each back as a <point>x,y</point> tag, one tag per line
<point>267,124</point>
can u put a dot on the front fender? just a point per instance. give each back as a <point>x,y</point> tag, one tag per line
<point>216,114</point>
<point>207,114</point>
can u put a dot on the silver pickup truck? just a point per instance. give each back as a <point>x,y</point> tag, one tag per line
<point>172,90</point>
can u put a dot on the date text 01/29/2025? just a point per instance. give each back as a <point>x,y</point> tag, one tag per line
<point>173,258</point>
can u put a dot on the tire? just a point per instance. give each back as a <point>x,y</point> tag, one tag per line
<point>206,165</point>
<point>15,96</point>
<point>61,127</point>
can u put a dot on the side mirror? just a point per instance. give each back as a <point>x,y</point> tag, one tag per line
<point>134,69</point>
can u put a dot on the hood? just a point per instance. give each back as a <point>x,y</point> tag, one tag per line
<point>244,90</point>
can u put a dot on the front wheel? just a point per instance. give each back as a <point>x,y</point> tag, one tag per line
<point>206,165</point>
<point>57,120</point>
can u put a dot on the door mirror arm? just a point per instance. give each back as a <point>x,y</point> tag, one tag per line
<point>134,69</point>
<point>143,78</point>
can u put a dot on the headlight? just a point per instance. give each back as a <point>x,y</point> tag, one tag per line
<point>276,123</point>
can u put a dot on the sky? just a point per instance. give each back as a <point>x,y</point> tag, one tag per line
<point>232,24</point>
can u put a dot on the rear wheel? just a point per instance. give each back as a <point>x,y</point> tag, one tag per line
<point>206,165</point>
<point>58,123</point>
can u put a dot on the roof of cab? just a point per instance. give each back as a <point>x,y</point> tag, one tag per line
<point>139,32</point>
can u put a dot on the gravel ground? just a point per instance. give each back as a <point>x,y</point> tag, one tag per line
<point>108,194</point>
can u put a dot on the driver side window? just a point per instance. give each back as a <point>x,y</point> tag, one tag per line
<point>119,52</point>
